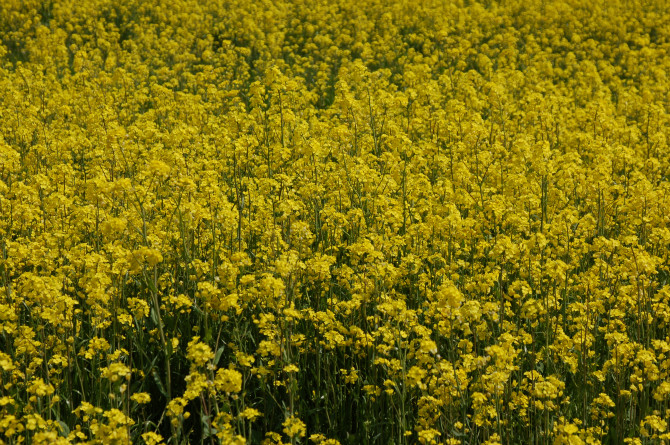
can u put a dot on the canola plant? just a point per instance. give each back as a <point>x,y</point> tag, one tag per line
<point>334,222</point>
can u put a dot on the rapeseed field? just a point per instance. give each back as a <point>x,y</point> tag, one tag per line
<point>334,222</point>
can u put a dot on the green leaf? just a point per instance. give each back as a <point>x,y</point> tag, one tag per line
<point>157,379</point>
<point>217,356</point>
<point>65,430</point>
<point>207,429</point>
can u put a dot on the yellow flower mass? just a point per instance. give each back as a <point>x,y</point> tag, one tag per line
<point>334,222</point>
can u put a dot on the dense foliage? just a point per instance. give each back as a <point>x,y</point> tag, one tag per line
<point>349,221</point>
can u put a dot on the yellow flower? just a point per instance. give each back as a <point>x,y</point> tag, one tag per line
<point>141,397</point>
<point>152,438</point>
<point>228,380</point>
<point>199,353</point>
<point>294,427</point>
<point>291,368</point>
<point>115,372</point>
<point>250,414</point>
<point>40,388</point>
<point>138,307</point>
<point>244,359</point>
